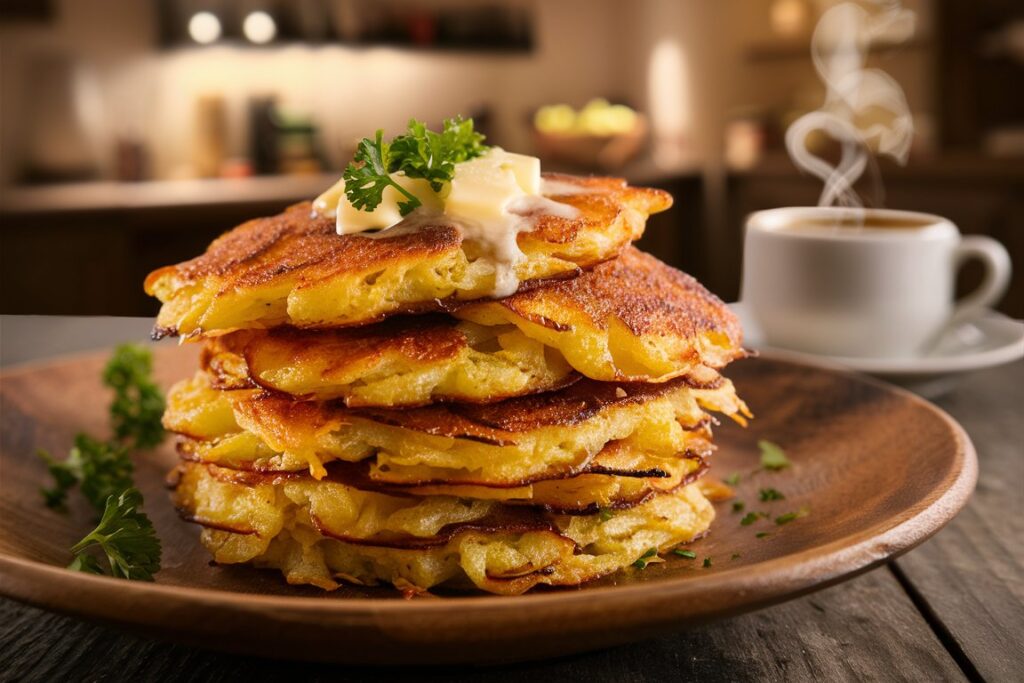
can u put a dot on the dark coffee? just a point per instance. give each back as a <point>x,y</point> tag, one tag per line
<point>868,222</point>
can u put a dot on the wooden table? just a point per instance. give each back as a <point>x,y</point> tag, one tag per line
<point>952,609</point>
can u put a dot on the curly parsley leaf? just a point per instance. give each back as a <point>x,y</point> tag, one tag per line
<point>418,153</point>
<point>126,537</point>
<point>770,494</point>
<point>66,475</point>
<point>772,456</point>
<point>368,176</point>
<point>101,469</point>
<point>138,403</point>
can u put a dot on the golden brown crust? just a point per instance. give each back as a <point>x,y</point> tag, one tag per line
<point>430,343</point>
<point>512,516</point>
<point>263,249</point>
<point>636,290</point>
<point>615,460</point>
<point>643,293</point>
<point>500,423</point>
<point>297,250</point>
<point>424,339</point>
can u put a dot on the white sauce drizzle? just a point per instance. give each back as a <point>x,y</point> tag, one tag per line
<point>496,240</point>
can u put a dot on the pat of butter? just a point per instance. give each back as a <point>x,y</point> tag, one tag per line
<point>387,213</point>
<point>327,203</point>
<point>479,193</point>
<point>483,187</point>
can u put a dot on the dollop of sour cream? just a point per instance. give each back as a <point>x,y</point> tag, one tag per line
<point>490,199</point>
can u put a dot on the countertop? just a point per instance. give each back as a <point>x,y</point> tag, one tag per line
<point>102,195</point>
<point>952,609</point>
<point>159,194</point>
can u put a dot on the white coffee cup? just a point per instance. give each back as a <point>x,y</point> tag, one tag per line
<point>862,282</point>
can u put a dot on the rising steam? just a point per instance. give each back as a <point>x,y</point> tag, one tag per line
<point>864,109</point>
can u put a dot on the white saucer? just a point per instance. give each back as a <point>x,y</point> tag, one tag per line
<point>992,339</point>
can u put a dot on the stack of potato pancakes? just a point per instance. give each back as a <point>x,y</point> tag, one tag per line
<point>366,413</point>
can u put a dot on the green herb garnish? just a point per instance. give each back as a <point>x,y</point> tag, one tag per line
<point>707,562</point>
<point>762,534</point>
<point>733,479</point>
<point>735,556</point>
<point>770,494</point>
<point>738,506</point>
<point>102,469</point>
<point>772,456</point>
<point>790,516</point>
<point>419,153</point>
<point>138,404</point>
<point>605,514</point>
<point>645,559</point>
<point>127,538</point>
<point>751,517</point>
<point>688,554</point>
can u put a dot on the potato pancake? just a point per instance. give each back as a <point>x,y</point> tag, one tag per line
<point>630,319</point>
<point>617,477</point>
<point>491,444</point>
<point>295,269</point>
<point>403,361</point>
<point>319,532</point>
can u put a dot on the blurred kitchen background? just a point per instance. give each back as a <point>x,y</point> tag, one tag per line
<point>132,132</point>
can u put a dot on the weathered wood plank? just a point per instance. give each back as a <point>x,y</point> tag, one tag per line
<point>864,630</point>
<point>970,577</point>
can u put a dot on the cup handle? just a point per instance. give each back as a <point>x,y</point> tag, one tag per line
<point>997,275</point>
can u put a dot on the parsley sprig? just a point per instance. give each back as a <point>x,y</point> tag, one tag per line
<point>126,537</point>
<point>104,468</point>
<point>138,404</point>
<point>419,153</point>
<point>103,471</point>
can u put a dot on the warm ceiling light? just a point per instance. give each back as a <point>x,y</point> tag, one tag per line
<point>789,17</point>
<point>259,27</point>
<point>204,27</point>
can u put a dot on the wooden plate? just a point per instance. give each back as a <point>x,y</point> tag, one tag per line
<point>878,469</point>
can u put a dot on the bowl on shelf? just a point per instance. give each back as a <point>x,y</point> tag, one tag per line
<point>599,135</point>
<point>603,151</point>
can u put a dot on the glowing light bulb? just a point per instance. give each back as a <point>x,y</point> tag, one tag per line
<point>789,17</point>
<point>259,27</point>
<point>204,27</point>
